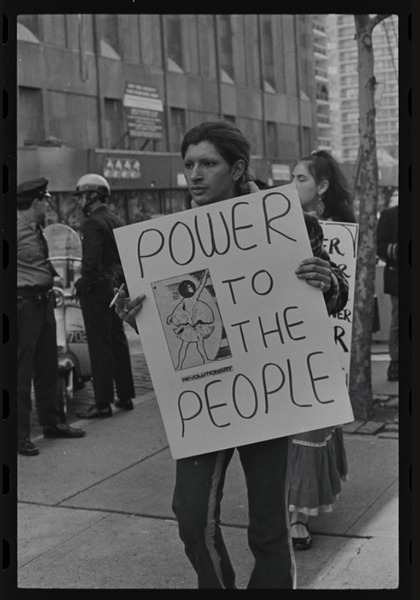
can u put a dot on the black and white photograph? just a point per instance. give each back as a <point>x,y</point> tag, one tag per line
<point>205,300</point>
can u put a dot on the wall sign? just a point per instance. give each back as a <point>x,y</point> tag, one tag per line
<point>143,108</point>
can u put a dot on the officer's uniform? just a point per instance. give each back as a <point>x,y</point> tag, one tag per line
<point>36,328</point>
<point>107,342</point>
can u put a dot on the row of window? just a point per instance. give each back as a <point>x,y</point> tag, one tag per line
<point>321,73</point>
<point>348,56</point>
<point>386,137</point>
<point>246,49</point>
<point>63,125</point>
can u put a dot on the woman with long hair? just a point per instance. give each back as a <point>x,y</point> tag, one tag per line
<point>318,458</point>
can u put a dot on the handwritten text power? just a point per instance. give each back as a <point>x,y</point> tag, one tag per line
<point>212,234</point>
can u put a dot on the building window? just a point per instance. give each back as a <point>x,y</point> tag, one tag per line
<point>206,41</point>
<point>272,146</point>
<point>230,119</point>
<point>268,54</point>
<point>177,128</point>
<point>349,92</point>
<point>324,142</point>
<point>348,56</point>
<point>351,128</point>
<point>109,36</point>
<point>174,42</point>
<point>113,131</point>
<point>113,111</point>
<point>252,51</point>
<point>226,48</point>
<point>322,92</point>
<point>30,121</point>
<point>349,30</point>
<point>306,140</point>
<point>55,30</point>
<point>28,28</point>
<point>349,104</point>
<point>320,49</point>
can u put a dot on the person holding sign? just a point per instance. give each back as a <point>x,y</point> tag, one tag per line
<point>216,165</point>
<point>318,458</point>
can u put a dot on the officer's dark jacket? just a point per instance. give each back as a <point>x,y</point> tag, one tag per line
<point>387,248</point>
<point>101,265</point>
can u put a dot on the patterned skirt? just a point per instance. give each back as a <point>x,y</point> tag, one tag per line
<point>318,466</point>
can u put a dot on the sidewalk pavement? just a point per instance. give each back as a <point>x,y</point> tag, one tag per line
<point>96,512</point>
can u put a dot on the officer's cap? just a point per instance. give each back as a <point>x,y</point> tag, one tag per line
<point>32,188</point>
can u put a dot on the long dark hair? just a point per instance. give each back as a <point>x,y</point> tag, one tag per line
<point>230,142</point>
<point>338,199</point>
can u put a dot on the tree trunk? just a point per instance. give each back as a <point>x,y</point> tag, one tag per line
<point>360,372</point>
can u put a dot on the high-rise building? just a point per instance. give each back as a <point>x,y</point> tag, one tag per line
<point>319,29</point>
<point>343,87</point>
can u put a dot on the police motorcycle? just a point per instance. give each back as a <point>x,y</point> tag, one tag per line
<point>65,252</point>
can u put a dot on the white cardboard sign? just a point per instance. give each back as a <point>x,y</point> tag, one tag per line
<point>340,241</point>
<point>238,348</point>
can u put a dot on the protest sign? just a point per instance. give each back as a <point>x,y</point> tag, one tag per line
<point>239,349</point>
<point>340,241</point>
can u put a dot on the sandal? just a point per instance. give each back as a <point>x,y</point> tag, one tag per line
<point>302,543</point>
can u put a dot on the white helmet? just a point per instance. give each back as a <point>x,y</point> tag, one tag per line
<point>93,183</point>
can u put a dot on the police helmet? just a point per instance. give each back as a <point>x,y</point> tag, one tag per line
<point>91,182</point>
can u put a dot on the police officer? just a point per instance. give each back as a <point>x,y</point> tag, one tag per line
<point>36,326</point>
<point>101,272</point>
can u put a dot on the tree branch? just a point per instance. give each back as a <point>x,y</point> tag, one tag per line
<point>377,19</point>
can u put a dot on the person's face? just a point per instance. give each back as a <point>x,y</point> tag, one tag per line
<point>40,207</point>
<point>393,201</point>
<point>82,200</point>
<point>307,187</point>
<point>209,177</point>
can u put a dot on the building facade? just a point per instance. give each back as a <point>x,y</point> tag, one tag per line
<point>115,94</point>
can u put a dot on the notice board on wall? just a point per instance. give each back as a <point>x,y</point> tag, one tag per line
<point>238,348</point>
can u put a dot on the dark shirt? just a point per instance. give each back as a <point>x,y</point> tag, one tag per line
<point>101,265</point>
<point>387,248</point>
<point>387,236</point>
<point>33,267</point>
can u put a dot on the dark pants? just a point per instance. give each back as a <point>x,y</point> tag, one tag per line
<point>37,360</point>
<point>108,350</point>
<point>196,504</point>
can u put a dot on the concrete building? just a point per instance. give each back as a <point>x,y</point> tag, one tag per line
<point>115,94</point>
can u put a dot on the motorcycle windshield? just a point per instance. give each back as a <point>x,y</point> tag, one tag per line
<point>63,241</point>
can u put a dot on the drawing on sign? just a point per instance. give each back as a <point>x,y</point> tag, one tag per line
<point>191,319</point>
